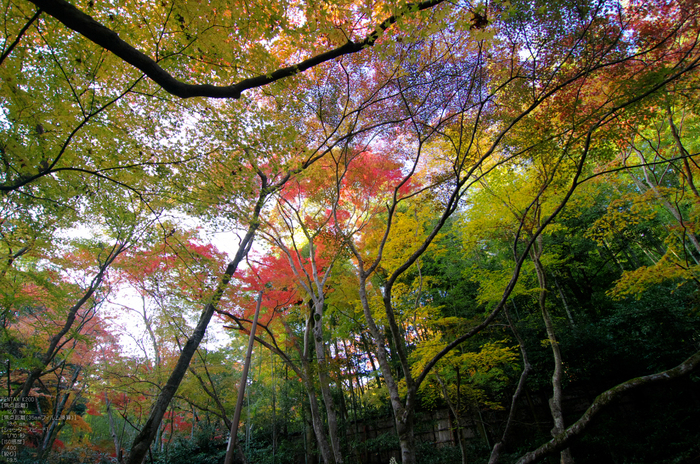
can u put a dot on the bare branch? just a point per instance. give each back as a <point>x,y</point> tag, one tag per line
<point>605,399</point>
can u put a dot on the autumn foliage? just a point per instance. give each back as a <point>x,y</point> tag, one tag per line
<point>483,213</point>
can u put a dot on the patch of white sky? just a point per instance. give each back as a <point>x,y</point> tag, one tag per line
<point>4,118</point>
<point>124,306</point>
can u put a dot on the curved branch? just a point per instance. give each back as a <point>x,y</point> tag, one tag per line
<point>75,19</point>
<point>603,400</point>
<point>50,168</point>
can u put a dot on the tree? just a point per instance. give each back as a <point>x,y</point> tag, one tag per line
<point>561,96</point>
<point>51,342</point>
<point>452,91</point>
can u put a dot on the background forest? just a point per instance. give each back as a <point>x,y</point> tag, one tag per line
<point>469,231</point>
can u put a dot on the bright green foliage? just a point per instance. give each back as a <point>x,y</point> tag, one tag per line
<point>485,375</point>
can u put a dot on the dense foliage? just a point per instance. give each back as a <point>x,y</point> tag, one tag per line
<point>467,230</point>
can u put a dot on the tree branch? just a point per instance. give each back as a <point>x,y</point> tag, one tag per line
<point>21,33</point>
<point>75,19</point>
<point>603,400</point>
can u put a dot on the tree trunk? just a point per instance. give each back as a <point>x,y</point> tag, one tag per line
<point>686,172</point>
<point>309,433</point>
<point>316,421</point>
<point>145,437</point>
<point>455,412</point>
<point>556,400</point>
<point>233,437</point>
<point>274,411</point>
<point>403,413</point>
<point>324,379</point>
<point>566,305</point>
<point>375,369</point>
<point>305,373</point>
<point>56,424</point>
<point>498,447</point>
<point>407,442</point>
<point>113,432</point>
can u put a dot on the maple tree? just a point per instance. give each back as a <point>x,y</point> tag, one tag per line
<point>350,135</point>
<point>50,337</point>
<point>573,132</point>
<point>326,214</point>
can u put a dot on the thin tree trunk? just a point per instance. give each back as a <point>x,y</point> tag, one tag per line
<point>375,369</point>
<point>498,447</point>
<point>324,379</point>
<point>233,438</point>
<point>194,422</point>
<point>305,373</point>
<point>56,424</point>
<point>274,410</point>
<point>687,173</point>
<point>113,432</point>
<point>455,412</point>
<point>403,414</point>
<point>309,432</point>
<point>145,437</point>
<point>563,300</point>
<point>353,400</point>
<point>555,403</point>
<point>316,421</point>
